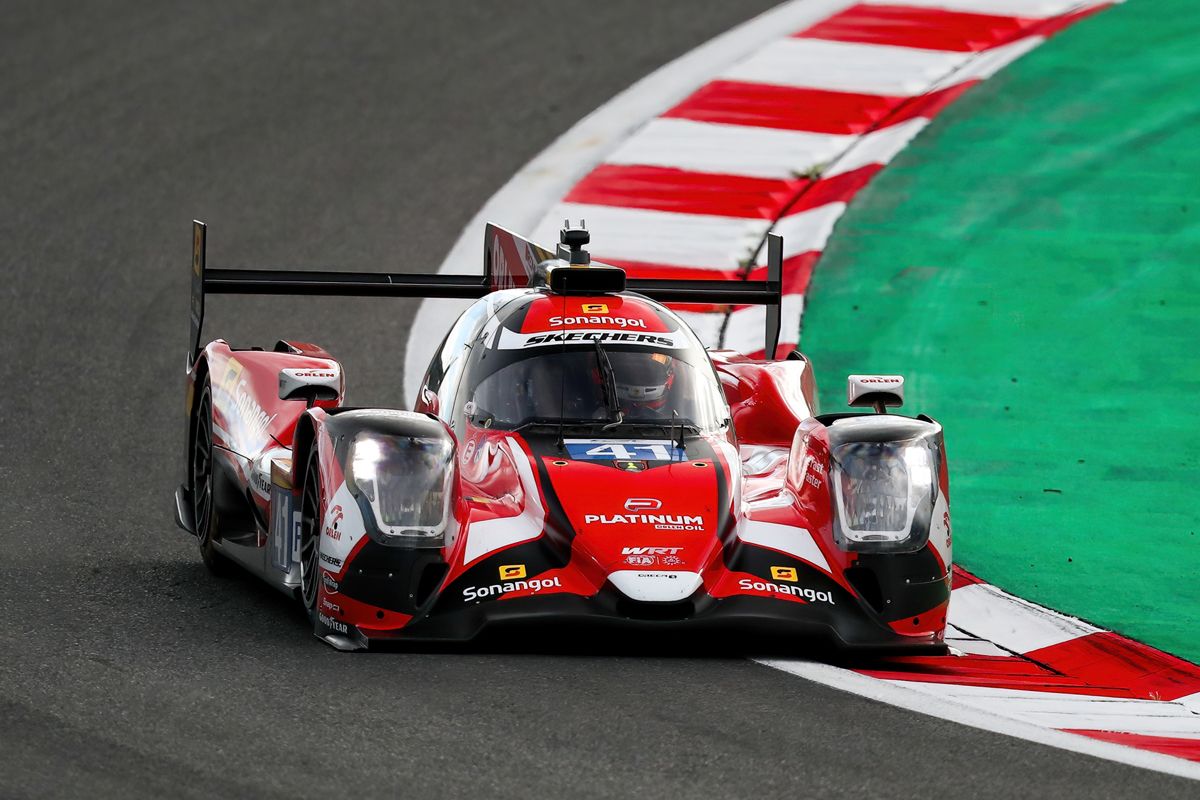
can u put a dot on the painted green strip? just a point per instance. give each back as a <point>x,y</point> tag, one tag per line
<point>1032,264</point>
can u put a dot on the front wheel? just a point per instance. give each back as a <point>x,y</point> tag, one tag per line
<point>310,536</point>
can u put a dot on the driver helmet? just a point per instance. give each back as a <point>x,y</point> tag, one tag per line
<point>643,380</point>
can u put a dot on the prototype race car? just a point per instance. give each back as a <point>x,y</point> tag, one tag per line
<point>574,455</point>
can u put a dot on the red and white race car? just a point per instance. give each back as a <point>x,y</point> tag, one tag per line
<point>574,455</point>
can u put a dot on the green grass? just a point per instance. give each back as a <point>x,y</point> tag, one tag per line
<point>1032,265</point>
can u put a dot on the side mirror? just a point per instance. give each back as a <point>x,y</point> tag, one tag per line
<point>876,391</point>
<point>427,402</point>
<point>310,383</point>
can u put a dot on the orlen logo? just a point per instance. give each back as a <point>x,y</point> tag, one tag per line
<point>639,504</point>
<point>331,528</point>
<point>878,380</point>
<point>314,374</point>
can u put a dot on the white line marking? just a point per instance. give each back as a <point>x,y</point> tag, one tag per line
<point>1026,9</point>
<point>1067,710</point>
<point>729,149</point>
<point>1010,622</point>
<point>846,67</point>
<point>904,696</point>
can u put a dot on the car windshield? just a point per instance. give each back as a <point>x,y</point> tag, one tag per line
<point>574,385</point>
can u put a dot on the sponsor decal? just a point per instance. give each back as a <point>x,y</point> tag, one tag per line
<point>511,340</point>
<point>800,592</point>
<point>331,527</point>
<point>784,574</point>
<point>334,607</point>
<point>661,522</point>
<point>652,556</point>
<point>642,504</point>
<point>630,466</point>
<point>248,420</point>
<point>313,374</point>
<point>535,585</point>
<point>624,322</point>
<point>331,560</point>
<point>887,381</point>
<point>624,450</point>
<point>512,572</point>
<point>818,468</point>
<point>254,421</point>
<point>595,308</point>
<point>233,373</point>
<point>337,625</point>
<point>329,583</point>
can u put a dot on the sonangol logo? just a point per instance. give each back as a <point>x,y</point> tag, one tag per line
<point>637,504</point>
<point>784,574</point>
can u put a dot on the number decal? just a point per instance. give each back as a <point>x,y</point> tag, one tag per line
<point>627,450</point>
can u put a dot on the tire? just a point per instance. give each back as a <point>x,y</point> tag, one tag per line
<point>201,472</point>
<point>310,536</point>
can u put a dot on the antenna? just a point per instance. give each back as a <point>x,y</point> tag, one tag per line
<point>574,239</point>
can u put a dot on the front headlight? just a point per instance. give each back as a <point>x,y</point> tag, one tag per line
<point>405,482</point>
<point>884,486</point>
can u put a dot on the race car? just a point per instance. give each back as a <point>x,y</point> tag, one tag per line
<point>574,455</point>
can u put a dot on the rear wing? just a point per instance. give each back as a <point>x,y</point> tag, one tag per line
<point>510,261</point>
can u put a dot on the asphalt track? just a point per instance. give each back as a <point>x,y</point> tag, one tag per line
<point>363,136</point>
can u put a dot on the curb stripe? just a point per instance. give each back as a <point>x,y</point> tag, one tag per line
<point>695,189</point>
<point>846,67</point>
<point>783,138</point>
<point>1031,664</point>
<point>926,29</point>
<point>1179,748</point>
<point>797,108</point>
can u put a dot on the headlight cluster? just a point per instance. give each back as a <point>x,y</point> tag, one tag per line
<point>884,481</point>
<point>404,485</point>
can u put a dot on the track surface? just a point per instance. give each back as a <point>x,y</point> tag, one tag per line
<point>330,137</point>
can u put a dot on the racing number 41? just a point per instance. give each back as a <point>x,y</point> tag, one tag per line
<point>631,451</point>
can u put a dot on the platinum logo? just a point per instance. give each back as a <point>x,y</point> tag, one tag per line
<point>661,522</point>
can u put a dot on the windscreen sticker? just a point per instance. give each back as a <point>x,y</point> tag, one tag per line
<point>555,313</point>
<point>511,340</point>
<point>625,451</point>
